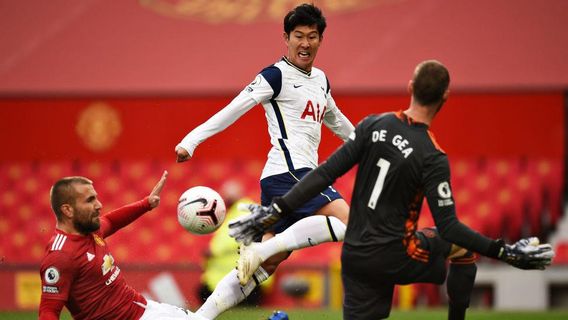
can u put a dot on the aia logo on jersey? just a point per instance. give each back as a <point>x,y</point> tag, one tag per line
<point>108,263</point>
<point>311,113</point>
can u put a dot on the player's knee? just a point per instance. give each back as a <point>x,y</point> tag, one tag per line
<point>343,216</point>
<point>465,265</point>
<point>463,257</point>
<point>272,263</point>
<point>336,228</point>
<point>467,271</point>
<point>457,252</point>
<point>461,279</point>
<point>338,209</point>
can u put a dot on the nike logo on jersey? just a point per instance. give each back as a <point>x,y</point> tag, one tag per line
<point>297,85</point>
<point>90,256</point>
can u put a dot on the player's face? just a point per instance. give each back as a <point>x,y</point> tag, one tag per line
<point>87,208</point>
<point>303,44</point>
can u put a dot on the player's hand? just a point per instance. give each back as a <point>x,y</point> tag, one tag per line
<point>246,228</point>
<point>154,197</point>
<point>528,254</point>
<point>182,154</point>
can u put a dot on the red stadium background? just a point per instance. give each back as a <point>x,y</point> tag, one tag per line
<point>107,90</point>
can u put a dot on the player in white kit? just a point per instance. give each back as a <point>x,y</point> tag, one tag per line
<point>297,99</point>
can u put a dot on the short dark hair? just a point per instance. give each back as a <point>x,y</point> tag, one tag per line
<point>62,192</point>
<point>430,82</point>
<point>304,15</point>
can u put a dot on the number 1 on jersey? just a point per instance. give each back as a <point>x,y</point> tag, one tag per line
<point>384,166</point>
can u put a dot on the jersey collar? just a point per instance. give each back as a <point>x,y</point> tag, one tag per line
<point>69,235</point>
<point>408,120</point>
<point>293,66</point>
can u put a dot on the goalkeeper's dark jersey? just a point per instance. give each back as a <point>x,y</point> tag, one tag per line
<point>400,163</point>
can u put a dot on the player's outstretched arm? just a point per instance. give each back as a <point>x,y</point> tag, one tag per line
<point>121,217</point>
<point>217,123</point>
<point>526,254</point>
<point>154,197</point>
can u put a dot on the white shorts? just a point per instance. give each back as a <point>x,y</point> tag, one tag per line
<point>164,311</point>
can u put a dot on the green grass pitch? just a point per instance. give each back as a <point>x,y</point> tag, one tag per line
<point>299,314</point>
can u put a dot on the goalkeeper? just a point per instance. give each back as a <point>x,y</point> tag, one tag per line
<point>400,163</point>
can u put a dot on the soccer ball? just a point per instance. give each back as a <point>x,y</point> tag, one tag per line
<point>201,210</point>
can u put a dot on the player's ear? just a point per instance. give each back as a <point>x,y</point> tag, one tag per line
<point>285,36</point>
<point>409,87</point>
<point>446,95</point>
<point>67,210</point>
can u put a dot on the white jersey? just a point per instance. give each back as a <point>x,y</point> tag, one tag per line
<point>296,103</point>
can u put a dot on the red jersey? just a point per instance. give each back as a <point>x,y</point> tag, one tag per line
<point>81,271</point>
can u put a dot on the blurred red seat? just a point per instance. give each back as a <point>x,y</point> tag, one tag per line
<point>561,251</point>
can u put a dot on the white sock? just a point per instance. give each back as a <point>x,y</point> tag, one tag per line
<point>229,293</point>
<point>307,232</point>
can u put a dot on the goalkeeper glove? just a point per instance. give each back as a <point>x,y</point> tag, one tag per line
<point>247,228</point>
<point>526,254</point>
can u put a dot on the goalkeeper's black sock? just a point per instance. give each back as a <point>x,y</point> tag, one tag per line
<point>460,284</point>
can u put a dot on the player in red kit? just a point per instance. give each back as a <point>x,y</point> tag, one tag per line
<point>79,271</point>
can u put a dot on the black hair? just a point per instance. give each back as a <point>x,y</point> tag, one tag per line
<point>304,15</point>
<point>430,82</point>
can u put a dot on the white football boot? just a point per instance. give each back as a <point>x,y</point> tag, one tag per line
<point>248,263</point>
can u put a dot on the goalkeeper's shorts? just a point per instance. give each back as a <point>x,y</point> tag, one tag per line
<point>433,268</point>
<point>279,184</point>
<point>369,278</point>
